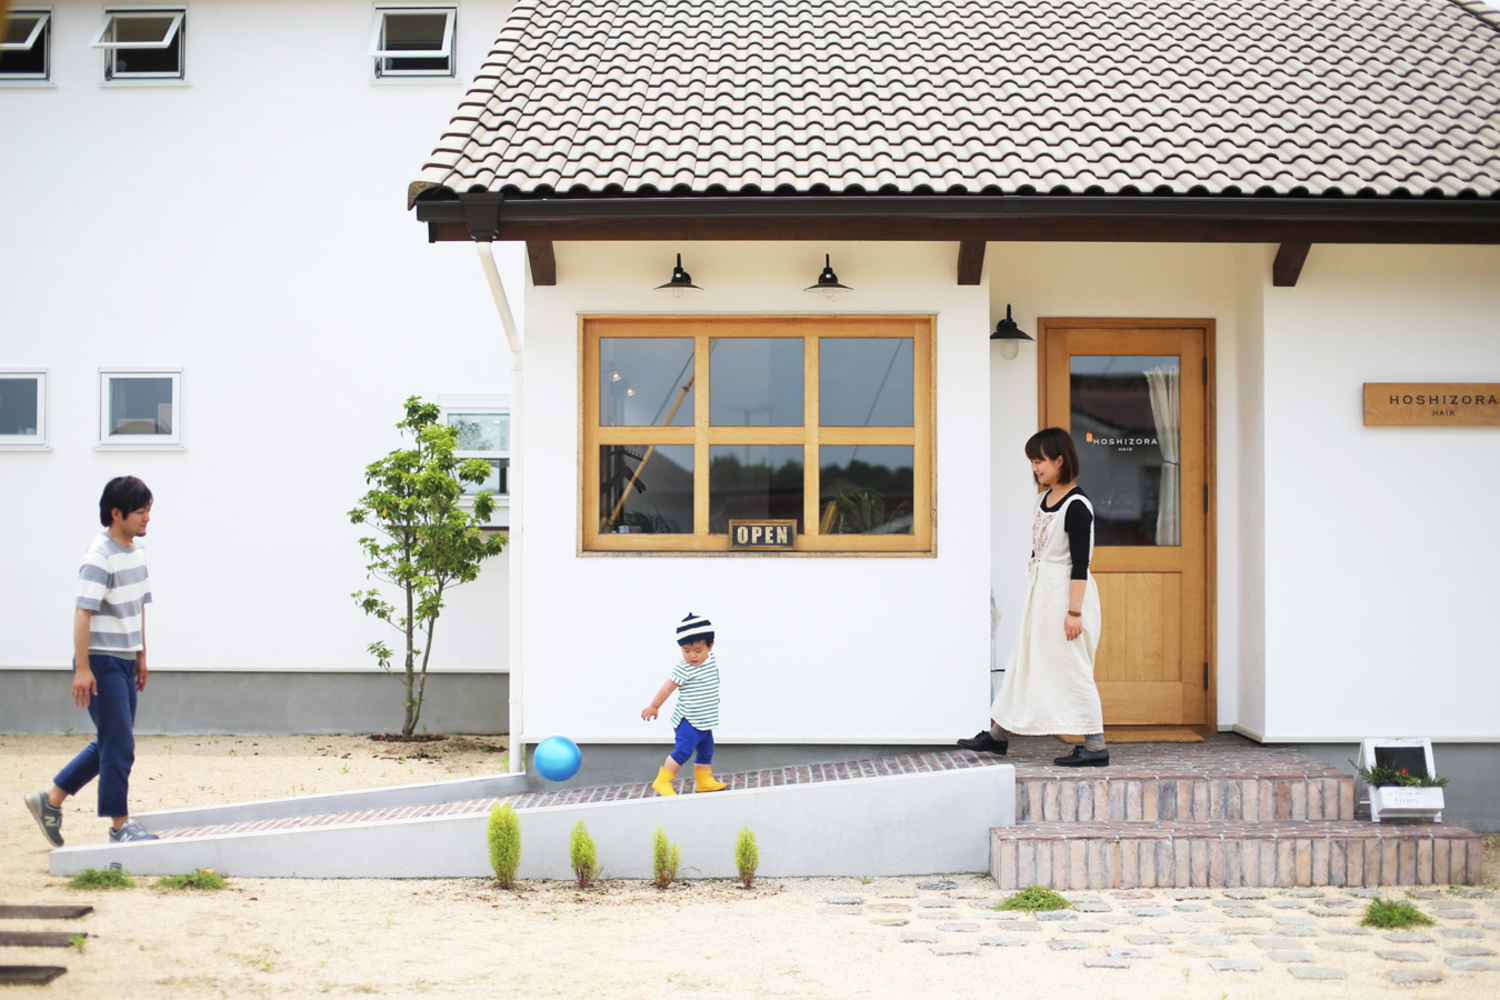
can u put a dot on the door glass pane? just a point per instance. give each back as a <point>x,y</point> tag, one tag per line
<point>1125,424</point>
<point>646,381</point>
<point>646,490</point>
<point>755,382</point>
<point>18,409</point>
<point>753,481</point>
<point>865,381</point>
<point>865,490</point>
<point>140,405</point>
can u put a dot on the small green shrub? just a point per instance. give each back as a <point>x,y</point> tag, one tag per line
<point>203,878</point>
<point>584,856</point>
<point>1033,898</point>
<point>505,844</point>
<point>1393,914</point>
<point>102,878</point>
<point>746,856</point>
<point>666,859</point>
<point>79,941</point>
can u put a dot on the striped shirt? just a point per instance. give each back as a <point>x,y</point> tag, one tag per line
<point>697,693</point>
<point>112,583</point>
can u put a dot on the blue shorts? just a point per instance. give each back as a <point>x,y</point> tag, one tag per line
<point>690,741</point>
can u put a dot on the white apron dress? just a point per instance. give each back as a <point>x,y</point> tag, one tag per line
<point>1049,682</point>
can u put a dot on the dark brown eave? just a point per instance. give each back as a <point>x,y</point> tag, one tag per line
<point>965,219</point>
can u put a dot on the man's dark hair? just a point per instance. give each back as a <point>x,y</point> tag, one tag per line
<point>126,494</point>
<point>1051,443</point>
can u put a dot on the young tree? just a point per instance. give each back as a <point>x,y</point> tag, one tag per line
<point>430,542</point>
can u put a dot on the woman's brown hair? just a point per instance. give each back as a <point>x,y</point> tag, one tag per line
<point>1051,443</point>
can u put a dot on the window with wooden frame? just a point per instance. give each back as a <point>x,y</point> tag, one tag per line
<point>690,423</point>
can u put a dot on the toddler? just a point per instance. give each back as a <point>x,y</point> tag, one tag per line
<point>696,681</point>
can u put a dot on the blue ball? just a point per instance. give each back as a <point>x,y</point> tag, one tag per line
<point>557,758</point>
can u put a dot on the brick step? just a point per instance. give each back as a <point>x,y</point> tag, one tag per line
<point>1088,855</point>
<point>1132,796</point>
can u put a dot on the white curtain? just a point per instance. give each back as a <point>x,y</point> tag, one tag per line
<point>1166,395</point>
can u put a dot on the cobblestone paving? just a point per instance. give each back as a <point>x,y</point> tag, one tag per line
<point>1302,933</point>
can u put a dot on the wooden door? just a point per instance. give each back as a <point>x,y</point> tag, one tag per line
<point>1114,385</point>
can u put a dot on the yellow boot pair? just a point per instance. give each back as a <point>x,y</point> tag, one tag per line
<point>703,781</point>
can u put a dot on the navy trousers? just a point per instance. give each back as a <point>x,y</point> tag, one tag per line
<point>112,754</point>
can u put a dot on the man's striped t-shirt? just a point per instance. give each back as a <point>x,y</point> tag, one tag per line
<point>697,693</point>
<point>112,583</point>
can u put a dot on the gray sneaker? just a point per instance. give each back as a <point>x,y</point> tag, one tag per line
<point>132,830</point>
<point>47,816</point>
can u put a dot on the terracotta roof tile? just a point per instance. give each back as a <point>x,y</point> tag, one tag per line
<point>1270,97</point>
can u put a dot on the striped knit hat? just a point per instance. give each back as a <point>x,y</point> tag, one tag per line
<point>694,627</point>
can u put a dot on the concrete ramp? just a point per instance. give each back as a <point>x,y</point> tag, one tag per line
<point>888,816</point>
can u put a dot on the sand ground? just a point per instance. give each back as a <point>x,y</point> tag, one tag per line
<point>467,938</point>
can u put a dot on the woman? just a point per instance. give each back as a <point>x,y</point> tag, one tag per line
<point>1049,681</point>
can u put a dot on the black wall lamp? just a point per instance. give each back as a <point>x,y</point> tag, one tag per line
<point>1009,335</point>
<point>828,284</point>
<point>680,282</point>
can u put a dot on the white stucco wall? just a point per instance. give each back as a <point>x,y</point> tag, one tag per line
<point>1380,577</point>
<point>812,649</point>
<point>248,227</point>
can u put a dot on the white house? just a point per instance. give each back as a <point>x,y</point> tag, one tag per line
<point>1220,222</point>
<point>159,253</point>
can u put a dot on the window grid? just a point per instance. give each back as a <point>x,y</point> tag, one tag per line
<point>811,436</point>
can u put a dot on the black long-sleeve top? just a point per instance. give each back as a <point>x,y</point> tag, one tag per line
<point>1078,522</point>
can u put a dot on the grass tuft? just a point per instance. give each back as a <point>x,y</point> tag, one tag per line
<point>1392,914</point>
<point>102,878</point>
<point>1033,898</point>
<point>203,878</point>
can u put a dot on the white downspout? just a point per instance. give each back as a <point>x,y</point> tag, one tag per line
<point>517,533</point>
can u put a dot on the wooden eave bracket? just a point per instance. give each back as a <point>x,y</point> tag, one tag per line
<point>1287,267</point>
<point>970,261</point>
<point>543,262</point>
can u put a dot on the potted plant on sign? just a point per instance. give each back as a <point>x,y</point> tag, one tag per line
<point>1397,791</point>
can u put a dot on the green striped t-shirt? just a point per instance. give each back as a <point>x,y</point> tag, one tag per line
<point>697,693</point>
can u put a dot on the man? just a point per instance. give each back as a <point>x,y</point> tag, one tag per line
<point>109,663</point>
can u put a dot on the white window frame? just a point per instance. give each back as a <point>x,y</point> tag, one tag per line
<point>29,442</point>
<point>178,13</point>
<point>39,34</point>
<point>488,405</point>
<point>140,442</point>
<point>379,55</point>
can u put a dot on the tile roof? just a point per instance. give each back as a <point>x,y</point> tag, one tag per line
<point>1224,97</point>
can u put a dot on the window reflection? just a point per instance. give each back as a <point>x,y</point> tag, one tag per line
<point>1125,425</point>
<point>646,489</point>
<point>646,381</point>
<point>865,381</point>
<point>755,382</point>
<point>754,481</point>
<point>865,490</point>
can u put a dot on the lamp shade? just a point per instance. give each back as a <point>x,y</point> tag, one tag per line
<point>679,283</point>
<point>828,284</point>
<point>1009,335</point>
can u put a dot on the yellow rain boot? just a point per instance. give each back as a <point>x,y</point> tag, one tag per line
<point>703,781</point>
<point>663,783</point>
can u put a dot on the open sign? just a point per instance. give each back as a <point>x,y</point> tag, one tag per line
<point>762,534</point>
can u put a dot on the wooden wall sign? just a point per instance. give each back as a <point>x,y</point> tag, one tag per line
<point>1432,404</point>
<point>762,534</point>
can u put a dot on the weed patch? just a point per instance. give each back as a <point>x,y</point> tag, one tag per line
<point>1033,898</point>
<point>1393,914</point>
<point>102,878</point>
